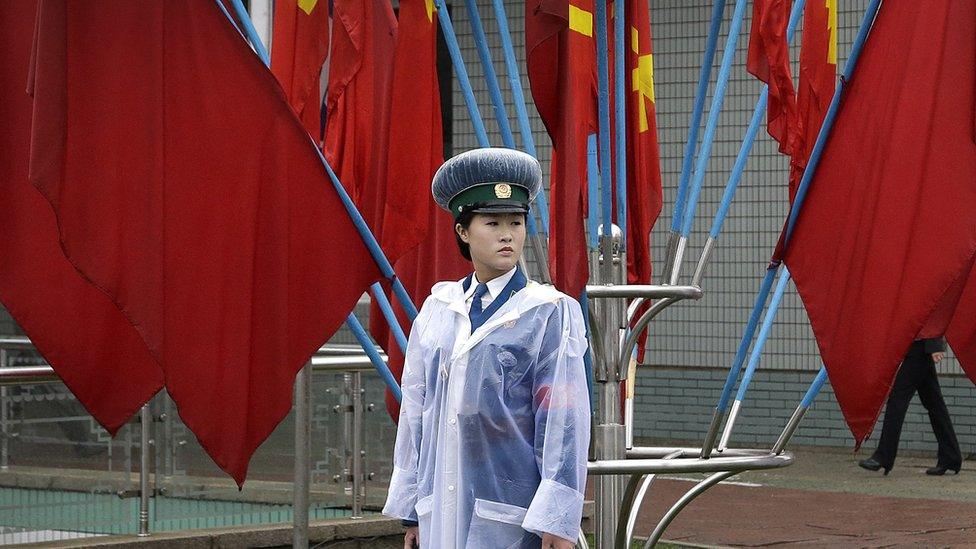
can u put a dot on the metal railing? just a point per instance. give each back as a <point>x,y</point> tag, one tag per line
<point>349,361</point>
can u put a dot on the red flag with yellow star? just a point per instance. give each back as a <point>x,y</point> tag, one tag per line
<point>301,44</point>
<point>644,194</point>
<point>561,58</point>
<point>818,75</point>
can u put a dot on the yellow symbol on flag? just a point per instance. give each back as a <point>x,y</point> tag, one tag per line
<point>430,10</point>
<point>832,25</point>
<point>580,21</point>
<point>307,5</point>
<point>642,78</point>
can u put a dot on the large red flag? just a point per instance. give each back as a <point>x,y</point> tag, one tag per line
<point>77,329</point>
<point>358,101</point>
<point>301,44</point>
<point>769,61</point>
<point>644,191</point>
<point>818,76</point>
<point>888,229</point>
<point>417,235</point>
<point>561,58</point>
<point>186,189</point>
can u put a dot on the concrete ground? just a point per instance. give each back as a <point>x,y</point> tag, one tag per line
<point>824,500</point>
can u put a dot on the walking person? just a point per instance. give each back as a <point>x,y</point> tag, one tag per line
<point>494,424</point>
<point>917,373</point>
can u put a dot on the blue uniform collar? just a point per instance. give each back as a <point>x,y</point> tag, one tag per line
<point>517,282</point>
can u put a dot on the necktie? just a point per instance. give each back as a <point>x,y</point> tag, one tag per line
<point>477,311</point>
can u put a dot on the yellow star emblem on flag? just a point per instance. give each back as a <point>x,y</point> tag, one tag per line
<point>642,79</point>
<point>581,20</point>
<point>307,5</point>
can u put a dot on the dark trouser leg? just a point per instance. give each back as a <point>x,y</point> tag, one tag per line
<point>930,393</point>
<point>898,399</point>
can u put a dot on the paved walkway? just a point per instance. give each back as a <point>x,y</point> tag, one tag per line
<point>824,500</point>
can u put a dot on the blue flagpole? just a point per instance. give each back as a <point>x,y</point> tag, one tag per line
<point>620,113</point>
<point>374,356</point>
<point>754,124</point>
<point>708,59</point>
<point>603,78</point>
<point>515,83</point>
<point>249,30</point>
<point>592,188</point>
<point>447,27</point>
<point>387,309</point>
<point>718,99</point>
<point>767,326</point>
<point>814,389</point>
<point>488,66</point>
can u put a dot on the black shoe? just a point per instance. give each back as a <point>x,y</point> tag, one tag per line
<point>940,470</point>
<point>872,464</point>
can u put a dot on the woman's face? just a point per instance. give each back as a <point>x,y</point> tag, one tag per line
<point>496,242</point>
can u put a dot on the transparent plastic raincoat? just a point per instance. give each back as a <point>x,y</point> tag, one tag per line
<point>494,425</point>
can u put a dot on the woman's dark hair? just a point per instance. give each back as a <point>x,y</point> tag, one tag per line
<point>465,221</point>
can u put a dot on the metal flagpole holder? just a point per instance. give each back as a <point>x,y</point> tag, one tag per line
<point>623,476</point>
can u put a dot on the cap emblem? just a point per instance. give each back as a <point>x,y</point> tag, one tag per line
<point>503,190</point>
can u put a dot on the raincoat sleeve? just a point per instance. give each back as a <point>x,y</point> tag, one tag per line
<point>402,496</point>
<point>562,425</point>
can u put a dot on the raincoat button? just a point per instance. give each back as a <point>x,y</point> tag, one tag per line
<point>450,488</point>
<point>452,421</point>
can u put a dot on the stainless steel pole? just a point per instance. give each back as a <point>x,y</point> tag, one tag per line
<point>357,445</point>
<point>145,418</point>
<point>4,427</point>
<point>608,433</point>
<point>303,454</point>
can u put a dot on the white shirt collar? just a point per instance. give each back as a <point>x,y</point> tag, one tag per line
<point>495,285</point>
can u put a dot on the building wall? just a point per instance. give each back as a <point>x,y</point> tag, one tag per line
<point>692,344</point>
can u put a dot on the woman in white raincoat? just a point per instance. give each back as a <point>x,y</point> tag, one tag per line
<point>494,424</point>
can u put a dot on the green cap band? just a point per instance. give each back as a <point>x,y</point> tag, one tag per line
<point>493,195</point>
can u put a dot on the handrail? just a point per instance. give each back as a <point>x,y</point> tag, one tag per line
<point>652,291</point>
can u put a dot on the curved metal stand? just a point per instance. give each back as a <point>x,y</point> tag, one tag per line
<point>683,502</point>
<point>643,463</point>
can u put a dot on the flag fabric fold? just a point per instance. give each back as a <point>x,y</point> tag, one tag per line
<point>187,190</point>
<point>769,60</point>
<point>364,34</point>
<point>818,76</point>
<point>561,59</point>
<point>76,328</point>
<point>301,44</point>
<point>888,229</point>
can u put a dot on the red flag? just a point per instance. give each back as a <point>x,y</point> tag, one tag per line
<point>358,101</point>
<point>416,147</point>
<point>769,61</point>
<point>561,58</point>
<point>186,188</point>
<point>888,229</point>
<point>417,235</point>
<point>301,44</point>
<point>77,329</point>
<point>644,190</point>
<point>818,76</point>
